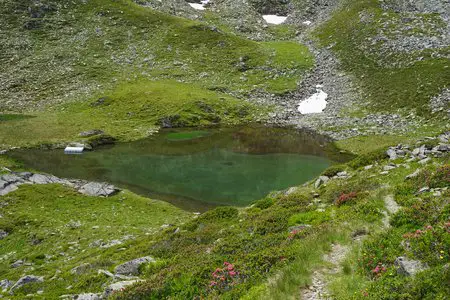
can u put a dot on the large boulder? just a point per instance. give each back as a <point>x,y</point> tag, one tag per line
<point>132,267</point>
<point>409,267</point>
<point>24,281</point>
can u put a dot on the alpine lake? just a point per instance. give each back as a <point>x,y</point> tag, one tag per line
<point>198,169</point>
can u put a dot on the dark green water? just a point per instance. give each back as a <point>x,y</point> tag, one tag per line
<point>199,169</point>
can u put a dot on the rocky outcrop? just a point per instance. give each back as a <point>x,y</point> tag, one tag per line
<point>408,267</point>
<point>422,153</point>
<point>10,183</point>
<point>24,281</point>
<point>132,267</point>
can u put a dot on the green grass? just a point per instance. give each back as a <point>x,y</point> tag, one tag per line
<point>130,111</point>
<point>44,236</point>
<point>387,88</point>
<point>110,41</point>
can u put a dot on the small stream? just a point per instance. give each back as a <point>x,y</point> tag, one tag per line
<point>197,169</point>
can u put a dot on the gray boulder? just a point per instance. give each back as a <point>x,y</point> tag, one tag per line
<point>98,189</point>
<point>17,264</point>
<point>132,267</point>
<point>5,284</point>
<point>3,234</point>
<point>391,153</point>
<point>88,296</point>
<point>81,269</point>
<point>24,281</point>
<point>321,180</point>
<point>118,286</point>
<point>409,267</point>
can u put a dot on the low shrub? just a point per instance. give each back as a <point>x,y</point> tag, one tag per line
<point>333,170</point>
<point>367,159</point>
<point>310,218</point>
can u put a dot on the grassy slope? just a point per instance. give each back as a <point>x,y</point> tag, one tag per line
<point>43,236</point>
<point>113,49</point>
<point>387,82</point>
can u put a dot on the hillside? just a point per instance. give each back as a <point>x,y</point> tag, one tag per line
<point>374,225</point>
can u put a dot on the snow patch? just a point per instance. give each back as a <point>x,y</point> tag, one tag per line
<point>307,23</point>
<point>197,6</point>
<point>273,19</point>
<point>316,103</point>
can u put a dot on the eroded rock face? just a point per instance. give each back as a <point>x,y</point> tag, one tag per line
<point>132,267</point>
<point>10,183</point>
<point>409,267</point>
<point>24,281</point>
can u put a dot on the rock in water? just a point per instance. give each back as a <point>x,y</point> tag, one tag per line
<point>24,281</point>
<point>408,267</point>
<point>132,267</point>
<point>98,189</point>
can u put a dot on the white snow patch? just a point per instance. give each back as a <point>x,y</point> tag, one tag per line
<point>273,19</point>
<point>315,103</point>
<point>307,23</point>
<point>197,6</point>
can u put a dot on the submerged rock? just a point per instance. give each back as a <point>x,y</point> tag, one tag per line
<point>132,267</point>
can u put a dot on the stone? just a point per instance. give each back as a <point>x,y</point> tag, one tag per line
<point>388,168</point>
<point>98,189</point>
<point>391,153</point>
<point>88,296</point>
<point>3,234</point>
<point>5,284</point>
<point>368,167</point>
<point>107,273</point>
<point>17,264</point>
<point>132,267</point>
<point>413,175</point>
<point>91,133</point>
<point>24,281</point>
<point>118,286</point>
<point>81,269</point>
<point>425,161</point>
<point>321,180</point>
<point>424,190</point>
<point>408,267</point>
<point>342,174</point>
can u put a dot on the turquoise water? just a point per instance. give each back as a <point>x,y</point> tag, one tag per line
<point>232,166</point>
